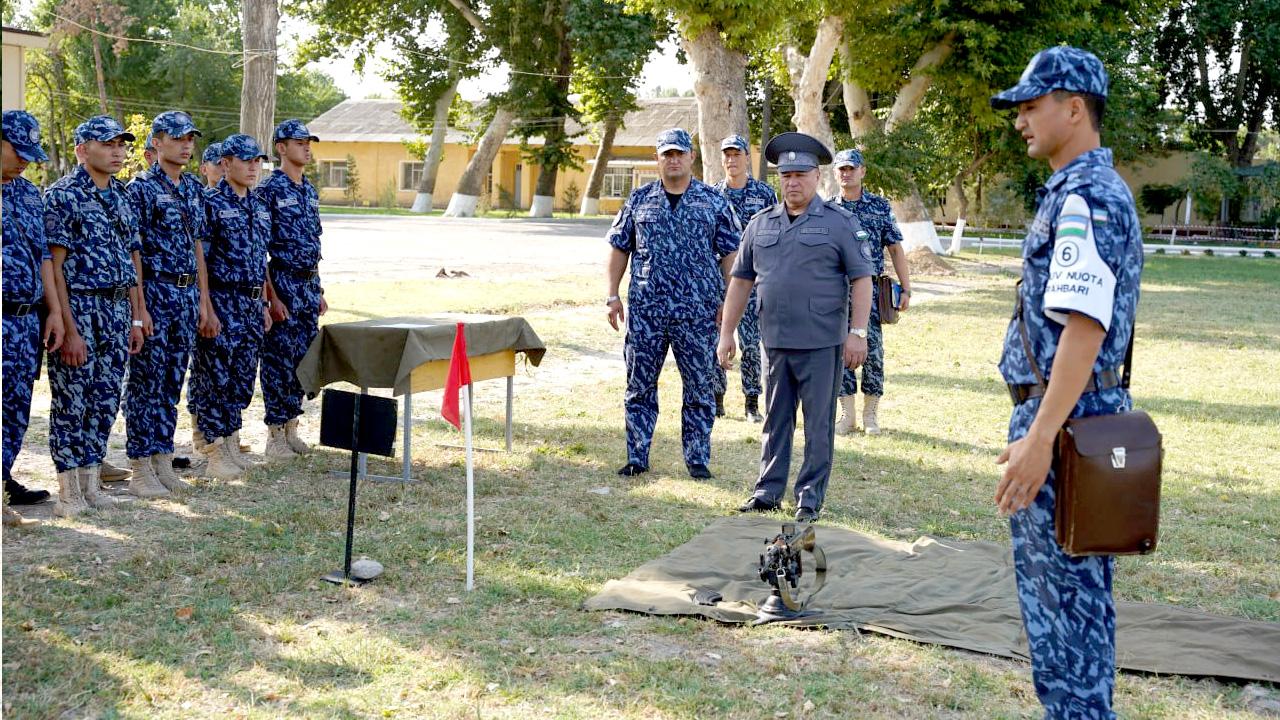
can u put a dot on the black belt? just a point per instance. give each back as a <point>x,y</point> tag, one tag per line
<point>304,273</point>
<point>250,289</point>
<point>113,293</point>
<point>17,309</point>
<point>180,279</point>
<point>1104,380</point>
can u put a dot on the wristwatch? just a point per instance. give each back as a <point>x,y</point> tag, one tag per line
<point>611,299</point>
<point>137,323</point>
<point>860,332</point>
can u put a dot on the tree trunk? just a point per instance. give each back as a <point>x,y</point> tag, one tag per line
<point>916,223</point>
<point>808,82</point>
<point>431,163</point>
<point>464,199</point>
<point>766,122</point>
<point>909,96</point>
<point>591,200</point>
<point>98,74</point>
<point>258,26</point>
<point>720,85</point>
<point>544,190</point>
<point>857,103</point>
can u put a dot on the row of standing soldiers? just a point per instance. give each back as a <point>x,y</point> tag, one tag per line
<point>127,287</point>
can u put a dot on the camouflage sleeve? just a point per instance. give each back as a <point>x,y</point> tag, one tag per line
<point>855,251</point>
<point>892,235</point>
<point>59,218</point>
<point>773,196</point>
<point>132,228</point>
<point>135,195</point>
<point>728,230</point>
<point>743,266</point>
<point>622,235</point>
<point>37,228</point>
<point>1080,278</point>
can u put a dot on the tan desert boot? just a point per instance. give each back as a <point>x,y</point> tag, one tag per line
<point>278,444</point>
<point>144,483</point>
<point>846,424</point>
<point>162,464</point>
<point>870,423</point>
<point>91,486</point>
<point>197,437</point>
<point>239,452</point>
<point>291,435</point>
<point>221,465</point>
<point>12,518</point>
<point>110,473</point>
<point>70,502</point>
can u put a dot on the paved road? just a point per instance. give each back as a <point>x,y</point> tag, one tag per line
<point>396,247</point>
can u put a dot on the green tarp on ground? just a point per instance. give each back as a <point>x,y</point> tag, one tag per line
<point>959,594</point>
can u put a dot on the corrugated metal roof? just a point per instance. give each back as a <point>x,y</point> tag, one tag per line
<point>380,121</point>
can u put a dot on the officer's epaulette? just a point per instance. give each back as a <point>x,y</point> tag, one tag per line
<point>759,213</point>
<point>833,205</point>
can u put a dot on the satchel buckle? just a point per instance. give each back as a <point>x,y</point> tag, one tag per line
<point>1117,458</point>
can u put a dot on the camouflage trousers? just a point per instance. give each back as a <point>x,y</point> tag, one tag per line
<point>21,363</point>
<point>1067,607</point>
<point>749,343</point>
<point>286,344</point>
<point>692,341</point>
<point>86,399</point>
<point>873,366</point>
<point>154,385</point>
<point>225,367</point>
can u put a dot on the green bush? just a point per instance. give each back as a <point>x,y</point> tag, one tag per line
<point>1208,251</point>
<point>571,197</point>
<point>387,196</point>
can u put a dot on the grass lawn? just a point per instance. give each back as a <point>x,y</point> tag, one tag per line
<point>212,607</point>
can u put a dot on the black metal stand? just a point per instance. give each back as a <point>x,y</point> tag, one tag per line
<point>774,610</point>
<point>343,576</point>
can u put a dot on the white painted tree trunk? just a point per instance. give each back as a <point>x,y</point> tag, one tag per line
<point>808,75</point>
<point>720,85</point>
<point>957,237</point>
<point>471,184</point>
<point>857,103</point>
<point>431,163</point>
<point>258,21</point>
<point>591,199</point>
<point>590,206</point>
<point>542,206</point>
<point>422,202</point>
<point>916,223</point>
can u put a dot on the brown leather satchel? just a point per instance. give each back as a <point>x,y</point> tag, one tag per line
<point>884,300</point>
<point>1107,476</point>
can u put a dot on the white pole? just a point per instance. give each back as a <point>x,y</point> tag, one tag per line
<point>471,495</point>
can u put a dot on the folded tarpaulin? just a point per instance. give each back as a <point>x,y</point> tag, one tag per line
<point>944,592</point>
<point>383,353</point>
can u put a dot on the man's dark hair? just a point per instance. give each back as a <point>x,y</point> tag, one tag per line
<point>1095,104</point>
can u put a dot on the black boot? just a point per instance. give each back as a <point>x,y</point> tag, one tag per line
<point>719,404</point>
<point>21,495</point>
<point>753,409</point>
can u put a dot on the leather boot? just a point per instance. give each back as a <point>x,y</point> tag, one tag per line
<point>91,485</point>
<point>278,444</point>
<point>20,494</point>
<point>719,404</point>
<point>753,409</point>
<point>70,502</point>
<point>870,403</point>
<point>221,465</point>
<point>12,518</point>
<point>111,473</point>
<point>197,437</point>
<point>144,483</point>
<point>162,463</point>
<point>291,435</point>
<point>846,424</point>
<point>239,450</point>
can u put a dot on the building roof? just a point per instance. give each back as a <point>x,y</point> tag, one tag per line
<point>380,121</point>
<point>24,38</point>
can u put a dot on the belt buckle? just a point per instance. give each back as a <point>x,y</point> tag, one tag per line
<point>119,294</point>
<point>256,293</point>
<point>24,308</point>
<point>184,280</point>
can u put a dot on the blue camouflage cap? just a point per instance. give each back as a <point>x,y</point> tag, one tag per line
<point>848,158</point>
<point>292,129</point>
<point>674,139</point>
<point>102,128</point>
<point>212,154</point>
<point>1056,68</point>
<point>148,144</point>
<point>22,131</point>
<point>735,141</point>
<point>241,146</point>
<point>174,123</point>
<point>796,152</point>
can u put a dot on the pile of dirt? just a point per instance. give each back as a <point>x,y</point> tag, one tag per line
<point>924,261</point>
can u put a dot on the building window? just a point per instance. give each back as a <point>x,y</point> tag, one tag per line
<point>644,177</point>
<point>411,175</point>
<point>617,182</point>
<point>333,173</point>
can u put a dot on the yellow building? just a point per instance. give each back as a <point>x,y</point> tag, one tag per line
<point>16,43</point>
<point>374,134</point>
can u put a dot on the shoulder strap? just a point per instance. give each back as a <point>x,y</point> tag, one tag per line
<point>1035,367</point>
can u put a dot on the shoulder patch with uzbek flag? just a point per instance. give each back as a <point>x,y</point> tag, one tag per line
<point>1079,279</point>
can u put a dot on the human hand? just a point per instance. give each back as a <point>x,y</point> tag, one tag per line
<point>855,351</point>
<point>1027,470</point>
<point>617,315</point>
<point>54,332</point>
<point>324,306</point>
<point>74,351</point>
<point>725,351</point>
<point>266,319</point>
<point>137,336</point>
<point>279,311</point>
<point>148,327</point>
<point>904,301</point>
<point>210,324</point>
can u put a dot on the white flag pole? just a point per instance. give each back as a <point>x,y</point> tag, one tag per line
<point>471,495</point>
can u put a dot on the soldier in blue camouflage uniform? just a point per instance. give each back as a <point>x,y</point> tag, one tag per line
<point>748,196</point>
<point>681,237</point>
<point>169,204</point>
<point>28,281</point>
<point>1086,227</point>
<point>93,237</point>
<point>222,374</point>
<point>876,218</point>
<point>211,165</point>
<point>297,299</point>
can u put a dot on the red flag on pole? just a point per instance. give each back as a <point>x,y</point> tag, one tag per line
<point>459,375</point>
